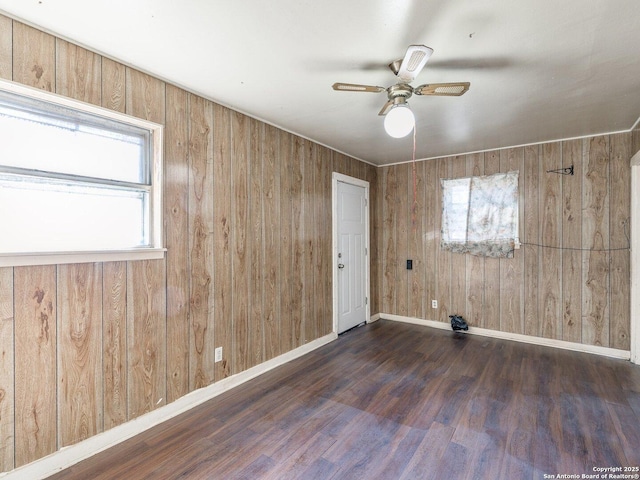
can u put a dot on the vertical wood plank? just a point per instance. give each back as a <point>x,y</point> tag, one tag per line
<point>176,240</point>
<point>6,48</point>
<point>475,263</point>
<point>272,235</point>
<point>403,219</point>
<point>417,300</point>
<point>114,284</point>
<point>595,237</point>
<point>256,224</point>
<point>390,261</point>
<point>146,335</point>
<point>200,221</point>
<point>443,257</point>
<point>35,362</point>
<point>492,265</point>
<point>114,340</point>
<point>458,277</point>
<point>241,254</point>
<point>286,257</point>
<point>356,167</point>
<point>297,237</point>
<point>375,216</point>
<point>310,322</point>
<point>551,236</point>
<point>79,360</point>
<point>7,370</point>
<point>34,58</point>
<point>113,85</point>
<point>323,271</point>
<point>572,243</point>
<point>223,320</point>
<point>531,239</point>
<point>78,73</point>
<point>620,202</point>
<point>511,269</point>
<point>146,282</point>
<point>431,237</point>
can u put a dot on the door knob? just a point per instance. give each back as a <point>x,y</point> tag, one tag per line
<point>341,265</point>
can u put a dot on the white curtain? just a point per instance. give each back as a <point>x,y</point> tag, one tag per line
<point>480,214</point>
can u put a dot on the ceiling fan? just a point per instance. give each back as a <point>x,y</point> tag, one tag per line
<point>399,119</point>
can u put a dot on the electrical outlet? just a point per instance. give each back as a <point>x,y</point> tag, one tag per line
<point>218,354</point>
<point>434,303</point>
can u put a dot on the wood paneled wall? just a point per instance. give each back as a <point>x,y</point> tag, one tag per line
<point>569,281</point>
<point>247,227</point>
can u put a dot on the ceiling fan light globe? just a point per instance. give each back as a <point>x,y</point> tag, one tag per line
<point>399,121</point>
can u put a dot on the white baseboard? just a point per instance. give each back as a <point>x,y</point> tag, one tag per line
<point>547,342</point>
<point>374,318</point>
<point>73,454</point>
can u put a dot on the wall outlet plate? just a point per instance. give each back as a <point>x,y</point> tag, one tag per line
<point>434,303</point>
<point>218,355</point>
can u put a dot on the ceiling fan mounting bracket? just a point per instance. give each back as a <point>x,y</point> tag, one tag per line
<point>395,66</point>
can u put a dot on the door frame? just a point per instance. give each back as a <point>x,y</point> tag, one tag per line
<point>335,178</point>
<point>634,333</point>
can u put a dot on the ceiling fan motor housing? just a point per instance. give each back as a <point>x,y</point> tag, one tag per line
<point>399,91</point>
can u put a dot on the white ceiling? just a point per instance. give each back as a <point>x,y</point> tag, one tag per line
<point>540,70</point>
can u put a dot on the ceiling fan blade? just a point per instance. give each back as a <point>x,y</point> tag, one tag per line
<point>352,87</point>
<point>413,62</point>
<point>386,108</point>
<point>442,89</point>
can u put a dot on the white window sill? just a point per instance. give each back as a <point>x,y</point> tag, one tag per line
<point>53,258</point>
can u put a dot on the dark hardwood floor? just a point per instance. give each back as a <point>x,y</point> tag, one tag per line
<point>395,401</point>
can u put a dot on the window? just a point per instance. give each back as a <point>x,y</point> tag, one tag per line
<point>480,215</point>
<point>77,182</point>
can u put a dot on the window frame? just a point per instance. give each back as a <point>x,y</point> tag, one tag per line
<point>155,249</point>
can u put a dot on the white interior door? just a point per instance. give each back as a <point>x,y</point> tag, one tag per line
<point>351,255</point>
